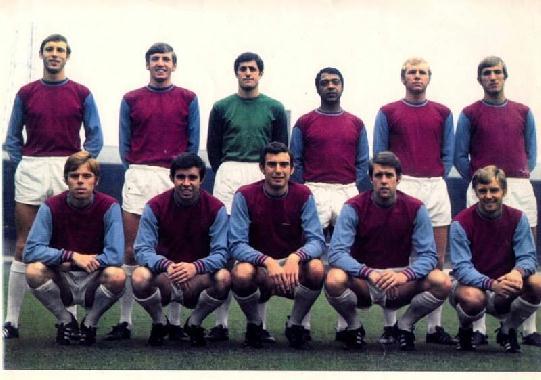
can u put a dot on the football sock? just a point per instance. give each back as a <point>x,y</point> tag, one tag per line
<point>262,310</point>
<point>174,312</point>
<point>222,312</point>
<point>204,307</point>
<point>126,301</point>
<point>520,311</point>
<point>49,295</point>
<point>341,323</point>
<point>433,320</point>
<point>389,317</point>
<point>528,326</point>
<point>103,300</point>
<point>153,306</point>
<point>16,289</point>
<point>465,320</point>
<point>480,325</point>
<point>73,310</point>
<point>306,321</point>
<point>346,305</point>
<point>303,300</point>
<point>248,305</point>
<point>422,304</point>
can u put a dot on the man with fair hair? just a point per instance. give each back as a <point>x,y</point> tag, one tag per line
<point>369,256</point>
<point>420,132</point>
<point>157,122</point>
<point>51,111</point>
<point>494,263</point>
<point>74,252</point>
<point>498,131</point>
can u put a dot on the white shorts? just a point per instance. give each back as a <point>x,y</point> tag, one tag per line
<point>38,178</point>
<point>432,191</point>
<point>141,183</point>
<point>78,283</point>
<point>330,197</point>
<point>490,308</point>
<point>230,176</point>
<point>520,195</point>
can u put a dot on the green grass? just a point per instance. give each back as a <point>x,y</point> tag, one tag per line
<point>36,349</point>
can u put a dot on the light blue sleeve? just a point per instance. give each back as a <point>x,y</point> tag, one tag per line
<point>91,122</point>
<point>462,146</point>
<point>361,161</point>
<point>424,245</point>
<point>381,134</point>
<point>342,240</point>
<point>239,227</point>
<point>37,245</point>
<point>146,241</point>
<point>531,141</point>
<point>314,245</point>
<point>524,247</point>
<point>461,259</point>
<point>14,138</point>
<point>297,147</point>
<point>193,127</point>
<point>124,130</point>
<point>219,254</point>
<point>448,145</point>
<point>113,242</point>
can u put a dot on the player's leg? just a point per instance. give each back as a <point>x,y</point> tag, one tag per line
<point>102,292</point>
<point>470,305</point>
<point>53,293</point>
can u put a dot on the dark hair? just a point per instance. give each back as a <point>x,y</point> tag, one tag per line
<point>274,147</point>
<point>489,62</point>
<point>385,158</point>
<point>160,47</point>
<point>80,158</point>
<point>187,160</point>
<point>485,175</point>
<point>328,70</point>
<point>245,57</point>
<point>55,37</point>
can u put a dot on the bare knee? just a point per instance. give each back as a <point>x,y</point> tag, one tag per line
<point>472,300</point>
<point>336,282</point>
<point>440,284</point>
<point>140,281</point>
<point>313,274</point>
<point>532,289</point>
<point>37,274</point>
<point>114,279</point>
<point>222,283</point>
<point>243,276</point>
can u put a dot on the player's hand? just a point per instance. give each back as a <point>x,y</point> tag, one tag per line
<point>504,288</point>
<point>514,278</point>
<point>291,271</point>
<point>173,272</point>
<point>186,271</point>
<point>390,279</point>
<point>88,263</point>
<point>374,277</point>
<point>276,275</point>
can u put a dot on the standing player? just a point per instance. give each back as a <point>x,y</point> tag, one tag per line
<point>370,256</point>
<point>51,110</point>
<point>494,262</point>
<point>74,252</point>
<point>181,246</point>
<point>157,122</point>
<point>498,131</point>
<point>240,125</point>
<point>420,133</point>
<point>276,238</point>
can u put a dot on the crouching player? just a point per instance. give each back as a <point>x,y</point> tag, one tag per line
<point>74,252</point>
<point>276,237</point>
<point>494,262</point>
<point>375,234</point>
<point>181,247</point>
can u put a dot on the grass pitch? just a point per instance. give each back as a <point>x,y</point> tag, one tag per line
<point>36,349</point>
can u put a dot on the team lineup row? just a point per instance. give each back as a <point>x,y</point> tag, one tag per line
<point>329,145</point>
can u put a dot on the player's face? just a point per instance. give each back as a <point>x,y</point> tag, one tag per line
<point>384,182</point>
<point>248,75</point>
<point>81,183</point>
<point>54,56</point>
<point>277,170</point>
<point>187,184</point>
<point>330,88</point>
<point>490,198</point>
<point>492,80</point>
<point>161,67</point>
<point>416,78</point>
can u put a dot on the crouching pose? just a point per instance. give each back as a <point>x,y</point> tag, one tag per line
<point>181,247</point>
<point>276,237</point>
<point>494,262</point>
<point>375,234</point>
<point>74,252</point>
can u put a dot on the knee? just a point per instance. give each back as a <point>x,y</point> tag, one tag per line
<point>222,281</point>
<point>114,279</point>
<point>314,274</point>
<point>140,280</point>
<point>336,282</point>
<point>532,287</point>
<point>37,274</point>
<point>440,283</point>
<point>243,275</point>
<point>472,300</point>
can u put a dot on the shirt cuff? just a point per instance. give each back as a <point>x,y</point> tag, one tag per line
<point>199,266</point>
<point>66,255</point>
<point>162,265</point>
<point>410,275</point>
<point>365,272</point>
<point>260,261</point>
<point>302,255</point>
